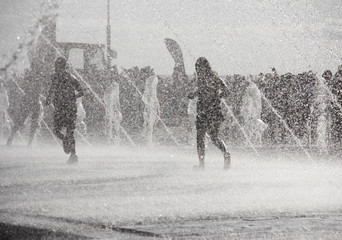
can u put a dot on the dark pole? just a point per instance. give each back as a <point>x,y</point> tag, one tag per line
<point>108,36</point>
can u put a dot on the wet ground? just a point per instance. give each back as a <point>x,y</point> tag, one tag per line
<point>125,193</point>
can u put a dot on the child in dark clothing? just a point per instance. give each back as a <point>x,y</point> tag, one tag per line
<point>26,103</point>
<point>63,94</point>
<point>210,90</point>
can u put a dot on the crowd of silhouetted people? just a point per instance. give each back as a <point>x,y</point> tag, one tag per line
<point>292,104</point>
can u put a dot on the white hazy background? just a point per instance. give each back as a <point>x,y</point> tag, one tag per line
<point>246,37</point>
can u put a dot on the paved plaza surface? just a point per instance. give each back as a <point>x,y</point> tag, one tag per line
<point>118,192</point>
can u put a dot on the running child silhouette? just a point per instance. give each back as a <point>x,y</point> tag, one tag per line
<point>64,91</point>
<point>210,90</point>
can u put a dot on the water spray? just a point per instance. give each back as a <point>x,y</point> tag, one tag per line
<point>141,95</point>
<point>79,76</point>
<point>166,24</point>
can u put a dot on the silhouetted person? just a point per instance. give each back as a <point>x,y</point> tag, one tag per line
<point>327,75</point>
<point>210,90</point>
<point>313,106</point>
<point>27,103</point>
<point>337,106</point>
<point>63,93</point>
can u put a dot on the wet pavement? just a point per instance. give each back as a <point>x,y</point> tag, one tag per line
<point>123,193</point>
